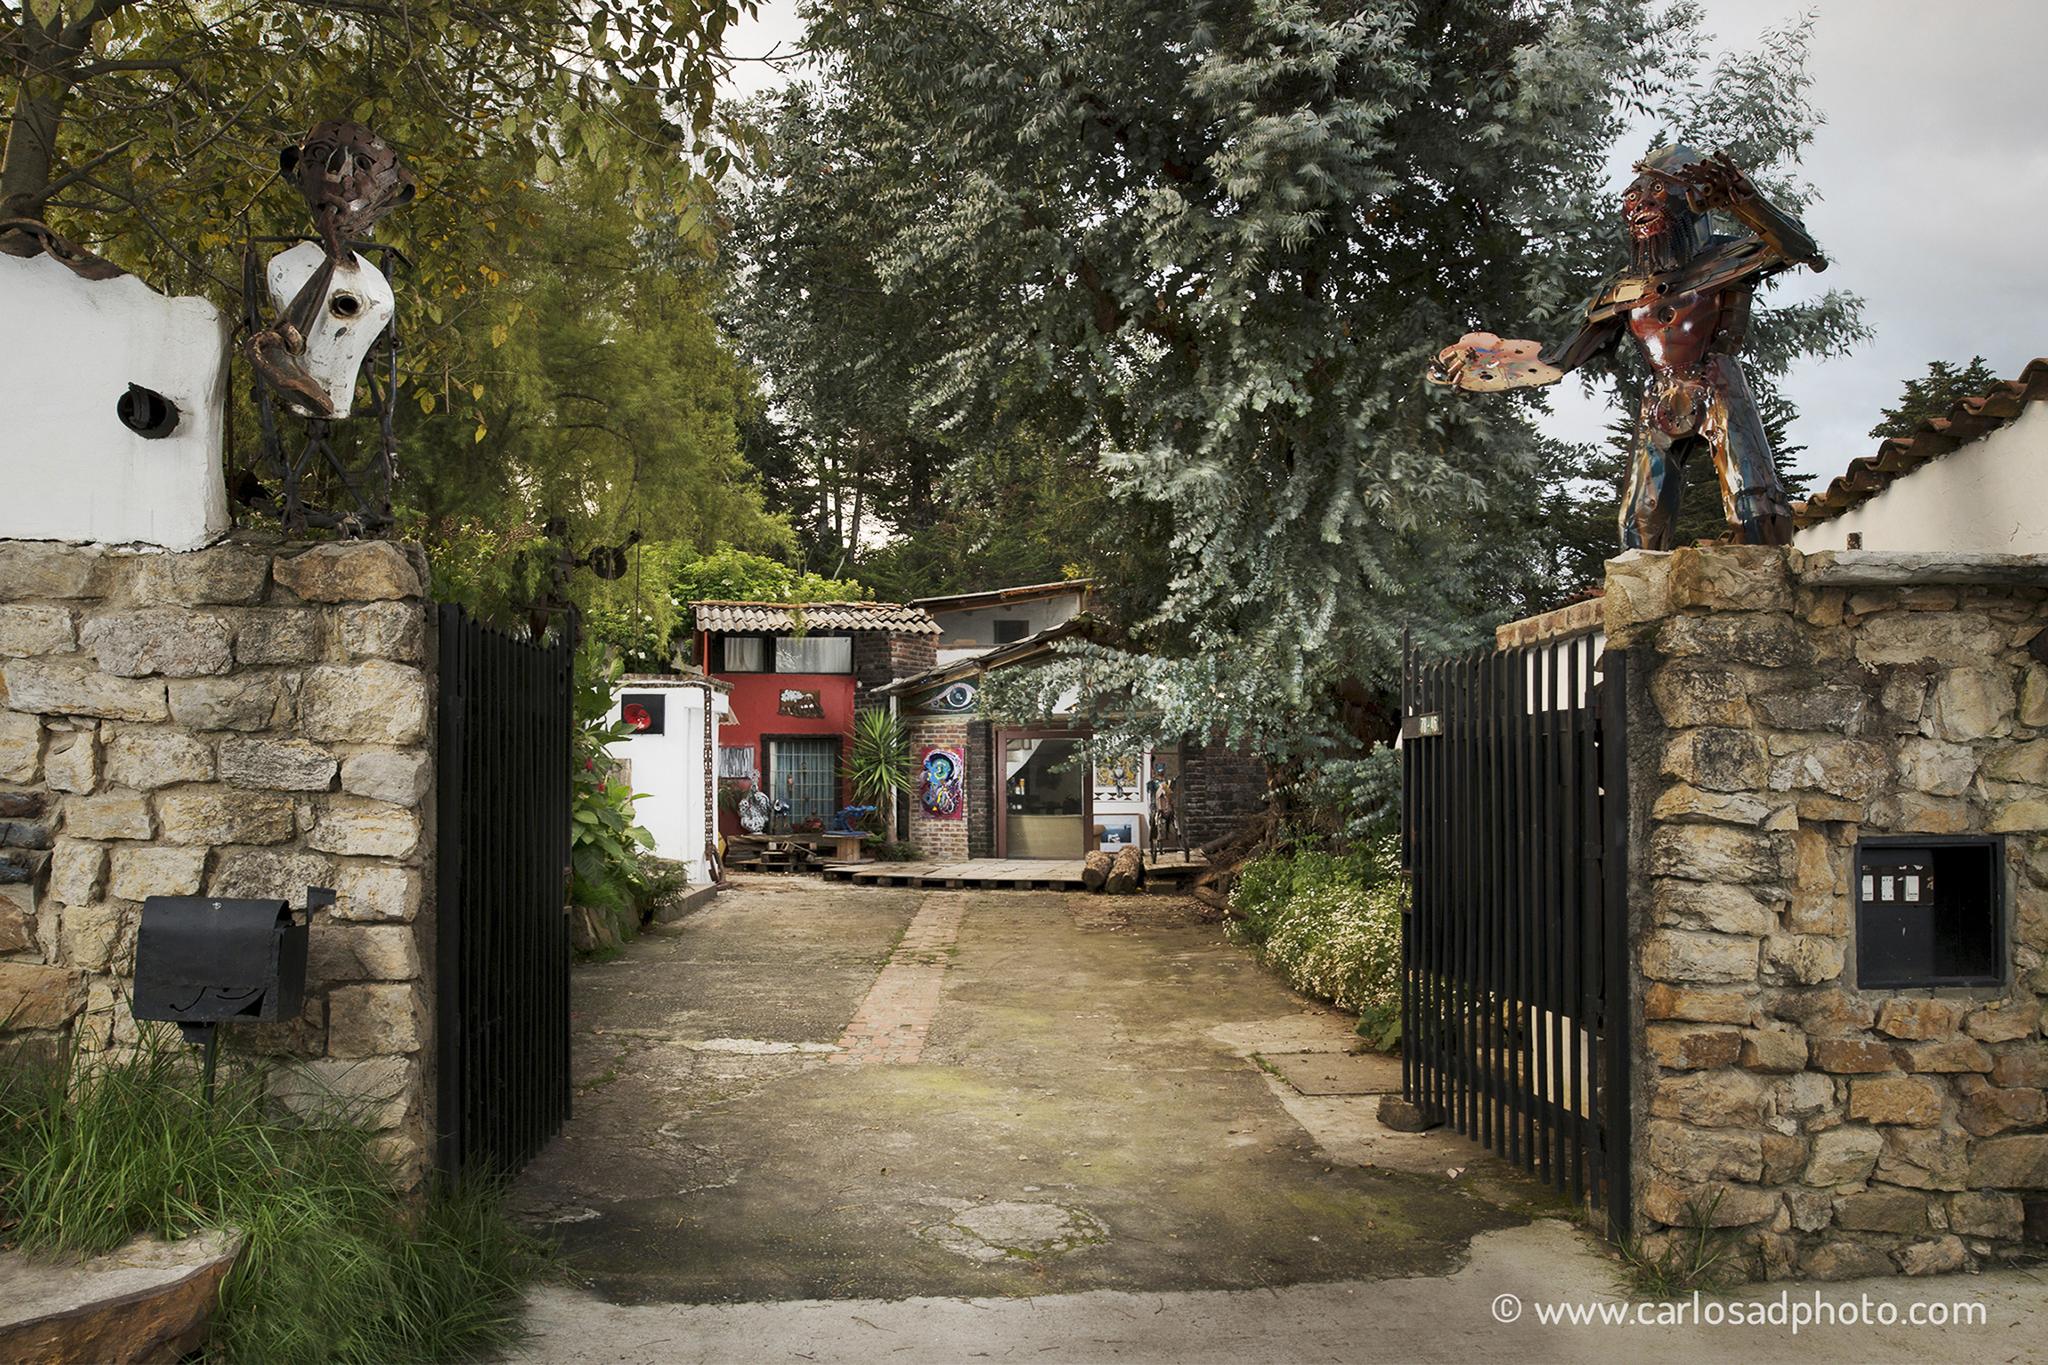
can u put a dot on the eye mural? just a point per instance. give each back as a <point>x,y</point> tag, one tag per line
<point>941,793</point>
<point>955,699</point>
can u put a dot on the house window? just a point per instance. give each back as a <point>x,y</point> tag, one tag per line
<point>744,654</point>
<point>1010,632</point>
<point>736,760</point>
<point>805,773</point>
<point>813,654</point>
<point>1929,912</point>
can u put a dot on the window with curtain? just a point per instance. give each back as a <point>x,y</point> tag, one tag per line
<point>813,654</point>
<point>744,654</point>
<point>805,773</point>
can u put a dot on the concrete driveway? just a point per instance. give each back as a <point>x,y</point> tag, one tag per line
<point>834,1122</point>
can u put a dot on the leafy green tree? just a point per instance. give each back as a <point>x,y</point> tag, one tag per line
<point>1216,243</point>
<point>733,575</point>
<point>1934,393</point>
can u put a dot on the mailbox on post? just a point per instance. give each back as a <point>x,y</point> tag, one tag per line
<point>203,961</point>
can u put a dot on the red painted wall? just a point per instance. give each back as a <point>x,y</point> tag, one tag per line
<point>755,697</point>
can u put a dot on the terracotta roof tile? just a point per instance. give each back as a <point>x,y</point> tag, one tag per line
<point>771,617</point>
<point>1968,420</point>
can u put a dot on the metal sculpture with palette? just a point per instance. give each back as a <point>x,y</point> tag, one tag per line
<point>1685,300</point>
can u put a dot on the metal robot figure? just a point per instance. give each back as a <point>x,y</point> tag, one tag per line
<point>1685,299</point>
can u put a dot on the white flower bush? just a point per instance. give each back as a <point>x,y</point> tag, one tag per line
<point>1332,927</point>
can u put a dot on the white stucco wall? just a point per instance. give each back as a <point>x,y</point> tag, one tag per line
<point>1989,496</point>
<point>668,770</point>
<point>69,470</point>
<point>968,631</point>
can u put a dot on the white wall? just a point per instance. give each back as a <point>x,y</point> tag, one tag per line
<point>68,467</point>
<point>969,631</point>
<point>1989,496</point>
<point>668,771</point>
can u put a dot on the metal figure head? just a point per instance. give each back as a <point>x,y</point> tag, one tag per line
<point>1664,228</point>
<point>350,178</point>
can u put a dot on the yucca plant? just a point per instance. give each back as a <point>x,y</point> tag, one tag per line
<point>878,763</point>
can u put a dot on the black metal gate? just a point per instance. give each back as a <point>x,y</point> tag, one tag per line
<point>1515,987</point>
<point>502,939</point>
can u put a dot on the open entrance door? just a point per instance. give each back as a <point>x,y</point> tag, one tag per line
<point>1045,794</point>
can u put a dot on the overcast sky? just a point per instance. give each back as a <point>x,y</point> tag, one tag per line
<point>1933,177</point>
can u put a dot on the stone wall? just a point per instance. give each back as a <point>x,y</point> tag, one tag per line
<point>245,720</point>
<point>1782,707</point>
<point>934,838</point>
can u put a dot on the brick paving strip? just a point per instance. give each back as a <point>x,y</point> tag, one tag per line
<point>892,1021</point>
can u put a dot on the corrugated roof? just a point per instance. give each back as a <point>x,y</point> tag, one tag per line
<point>990,597</point>
<point>1967,421</point>
<point>772,617</point>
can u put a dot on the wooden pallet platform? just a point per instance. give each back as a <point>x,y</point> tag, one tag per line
<point>999,874</point>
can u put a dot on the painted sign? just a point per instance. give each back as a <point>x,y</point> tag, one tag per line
<point>941,792</point>
<point>802,702</point>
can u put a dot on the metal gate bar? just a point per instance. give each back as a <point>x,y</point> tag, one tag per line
<point>1513,839</point>
<point>502,945</point>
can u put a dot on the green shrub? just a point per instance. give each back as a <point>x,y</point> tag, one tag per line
<point>1331,924</point>
<point>337,1266</point>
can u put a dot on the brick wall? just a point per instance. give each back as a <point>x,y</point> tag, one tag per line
<point>1783,707</point>
<point>244,720</point>
<point>983,800</point>
<point>1219,789</point>
<point>935,838</point>
<point>880,657</point>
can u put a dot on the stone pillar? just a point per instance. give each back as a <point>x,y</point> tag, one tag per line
<point>245,720</point>
<point>1786,706</point>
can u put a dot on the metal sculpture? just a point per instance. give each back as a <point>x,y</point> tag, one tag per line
<point>333,306</point>
<point>1685,300</point>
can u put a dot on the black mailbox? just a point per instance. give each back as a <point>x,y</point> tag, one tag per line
<point>202,961</point>
<point>1929,912</point>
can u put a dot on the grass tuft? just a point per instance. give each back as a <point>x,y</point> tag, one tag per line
<point>338,1266</point>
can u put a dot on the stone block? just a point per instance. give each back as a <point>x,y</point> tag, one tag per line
<point>1764,639</point>
<point>1686,1047</point>
<point>33,996</point>
<point>1773,1049</point>
<point>1807,959</point>
<point>1924,1158</point>
<point>1829,706</point>
<point>350,571</point>
<point>1715,1203</point>
<point>96,938</point>
<point>1732,578</point>
<point>1975,703</point>
<point>71,762</point>
<point>1988,1110</point>
<point>2017,1162</point>
<point>1684,956</point>
<point>142,871</point>
<point>2034,696</point>
<point>255,873</point>
<point>2021,762</point>
<point>110,815</point>
<point>31,632</point>
<point>1944,1055</point>
<point>1662,1000</point>
<point>1902,696</point>
<point>2005,1021</point>
<point>376,702</point>
<point>1852,769</point>
<point>1910,1100</point>
<point>217,576</point>
<point>277,765</point>
<point>148,757</point>
<point>17,918</point>
<point>71,687</point>
<point>246,701</point>
<point>398,776</point>
<point>1917,1017</point>
<point>1883,1210</point>
<point>1717,759</point>
<point>32,569</point>
<point>1705,1153</point>
<point>1693,694</point>
<point>174,643</point>
<point>291,635</point>
<point>339,951</point>
<point>1941,638</point>
<point>1936,767</point>
<point>1711,1099</point>
<point>1638,584</point>
<point>2015,817</point>
<point>362,828</point>
<point>1917,814</point>
<point>1719,853</point>
<point>78,871</point>
<point>1845,1260</point>
<point>372,1093</point>
<point>1976,1214</point>
<point>1942,1256</point>
<point>21,747</point>
<point>1708,905</point>
<point>1811,1210</point>
<point>385,630</point>
<point>2023,1064</point>
<point>1843,1156</point>
<point>378,891</point>
<point>1683,803</point>
<point>1784,1156</point>
<point>372,1021</point>
<point>225,815</point>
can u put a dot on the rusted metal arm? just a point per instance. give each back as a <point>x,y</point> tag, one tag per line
<point>1782,233</point>
<point>1594,335</point>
